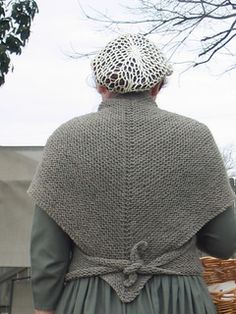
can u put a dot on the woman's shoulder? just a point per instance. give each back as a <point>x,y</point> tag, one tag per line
<point>184,123</point>
<point>71,123</point>
<point>71,127</point>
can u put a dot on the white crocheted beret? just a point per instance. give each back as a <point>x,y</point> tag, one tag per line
<point>130,63</point>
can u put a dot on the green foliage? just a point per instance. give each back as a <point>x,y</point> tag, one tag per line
<point>16,17</point>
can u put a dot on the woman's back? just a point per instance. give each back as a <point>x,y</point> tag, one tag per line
<point>128,187</point>
<point>133,184</point>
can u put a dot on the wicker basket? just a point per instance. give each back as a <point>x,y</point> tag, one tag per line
<point>220,271</point>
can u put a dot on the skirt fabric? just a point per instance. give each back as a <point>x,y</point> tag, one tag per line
<point>161,295</point>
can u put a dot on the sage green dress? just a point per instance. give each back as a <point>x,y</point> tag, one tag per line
<point>51,251</point>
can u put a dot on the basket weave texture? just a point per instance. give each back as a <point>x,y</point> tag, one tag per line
<point>220,271</point>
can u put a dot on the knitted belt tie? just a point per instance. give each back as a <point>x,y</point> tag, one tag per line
<point>128,267</point>
<point>136,264</point>
<point>131,267</point>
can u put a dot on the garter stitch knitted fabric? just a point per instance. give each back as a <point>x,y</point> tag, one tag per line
<point>132,184</point>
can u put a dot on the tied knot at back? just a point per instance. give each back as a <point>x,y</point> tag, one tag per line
<point>135,265</point>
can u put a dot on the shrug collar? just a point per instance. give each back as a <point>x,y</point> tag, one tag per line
<point>129,99</point>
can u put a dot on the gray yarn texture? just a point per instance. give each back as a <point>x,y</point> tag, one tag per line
<point>132,184</point>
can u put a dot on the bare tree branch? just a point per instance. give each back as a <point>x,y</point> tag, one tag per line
<point>228,155</point>
<point>215,51</point>
<point>221,40</point>
<point>209,25</point>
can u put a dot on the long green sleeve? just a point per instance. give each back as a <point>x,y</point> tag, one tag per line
<point>50,255</point>
<point>218,237</point>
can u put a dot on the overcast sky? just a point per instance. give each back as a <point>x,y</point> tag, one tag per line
<point>48,88</point>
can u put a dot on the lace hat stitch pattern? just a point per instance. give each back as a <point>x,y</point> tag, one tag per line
<point>130,63</point>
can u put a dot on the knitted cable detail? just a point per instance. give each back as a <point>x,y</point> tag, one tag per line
<point>137,263</point>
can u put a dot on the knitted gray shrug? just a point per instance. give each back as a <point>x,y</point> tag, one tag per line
<point>132,184</point>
